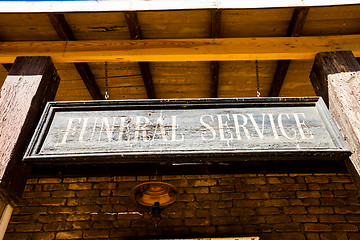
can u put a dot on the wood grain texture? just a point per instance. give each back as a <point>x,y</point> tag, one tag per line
<point>31,82</point>
<point>145,5</point>
<point>336,76</point>
<point>228,49</point>
<point>296,25</point>
<point>135,33</point>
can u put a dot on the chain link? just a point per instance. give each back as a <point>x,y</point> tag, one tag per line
<point>257,79</point>
<point>106,83</point>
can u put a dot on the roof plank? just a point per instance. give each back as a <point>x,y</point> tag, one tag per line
<point>296,25</point>
<point>135,33</point>
<point>146,5</point>
<point>160,50</point>
<point>65,33</point>
<point>215,33</point>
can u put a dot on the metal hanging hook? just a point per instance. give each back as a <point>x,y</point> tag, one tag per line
<point>106,83</point>
<point>257,79</point>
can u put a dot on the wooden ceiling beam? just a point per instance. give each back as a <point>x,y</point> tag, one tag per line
<point>215,33</point>
<point>162,50</point>
<point>135,33</point>
<point>146,5</point>
<point>7,66</point>
<point>65,33</point>
<point>296,25</point>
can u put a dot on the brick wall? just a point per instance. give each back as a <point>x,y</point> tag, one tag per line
<point>274,206</point>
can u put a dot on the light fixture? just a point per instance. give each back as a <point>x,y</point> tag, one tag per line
<point>156,195</point>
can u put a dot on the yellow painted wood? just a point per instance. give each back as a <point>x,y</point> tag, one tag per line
<point>225,49</point>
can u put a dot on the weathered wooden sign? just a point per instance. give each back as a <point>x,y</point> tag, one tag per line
<point>185,131</point>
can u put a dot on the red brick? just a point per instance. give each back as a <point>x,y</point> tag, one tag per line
<point>304,218</point>
<point>57,226</point>
<point>230,229</point>
<point>273,180</point>
<point>222,189</point>
<point>316,179</point>
<point>347,209</point>
<point>17,236</point>
<point>331,218</point>
<point>278,219</point>
<point>275,202</point>
<point>232,196</point>
<point>69,235</point>
<point>185,198</point>
<point>80,186</point>
<point>287,227</point>
<point>142,178</point>
<point>317,227</point>
<point>87,209</point>
<point>218,212</point>
<point>257,195</point>
<point>353,218</point>
<point>267,211</point>
<point>295,210</point>
<point>204,183</point>
<point>105,185</point>
<point>207,197</point>
<point>197,190</point>
<point>345,228</point>
<point>78,217</point>
<point>36,195</point>
<point>203,230</point>
<point>247,203</point>
<point>127,178</point>
<point>32,181</point>
<point>224,220</point>
<point>43,236</point>
<point>257,180</point>
<point>320,210</point>
<point>332,201</point>
<point>312,236</point>
<point>96,234</point>
<point>308,194</point>
<point>87,193</point>
<point>49,180</point>
<point>99,179</point>
<point>334,236</point>
<point>66,194</point>
<point>55,187</point>
<point>340,179</point>
<point>332,186</point>
<point>74,180</point>
<point>122,233</point>
<point>282,194</point>
<point>29,227</point>
<point>241,211</point>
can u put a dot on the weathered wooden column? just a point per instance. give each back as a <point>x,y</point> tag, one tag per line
<point>336,77</point>
<point>31,82</point>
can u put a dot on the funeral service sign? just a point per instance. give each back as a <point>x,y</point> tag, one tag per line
<point>184,130</point>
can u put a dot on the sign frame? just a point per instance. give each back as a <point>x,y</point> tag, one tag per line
<point>341,153</point>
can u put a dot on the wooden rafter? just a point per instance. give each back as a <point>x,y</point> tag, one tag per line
<point>294,30</point>
<point>146,5</point>
<point>135,33</point>
<point>7,66</point>
<point>215,33</point>
<point>182,50</point>
<point>65,33</point>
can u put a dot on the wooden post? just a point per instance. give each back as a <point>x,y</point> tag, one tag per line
<point>31,82</point>
<point>336,77</point>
